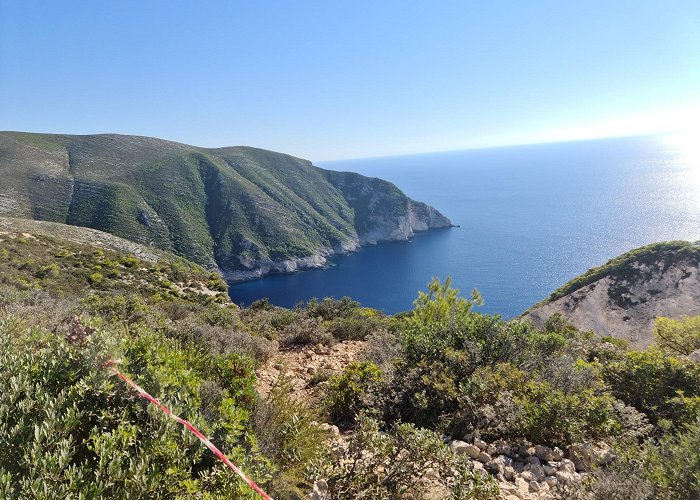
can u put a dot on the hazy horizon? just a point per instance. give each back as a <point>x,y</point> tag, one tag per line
<point>335,82</point>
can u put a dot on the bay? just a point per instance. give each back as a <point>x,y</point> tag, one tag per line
<point>531,218</point>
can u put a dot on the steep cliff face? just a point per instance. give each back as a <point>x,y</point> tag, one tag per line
<point>245,211</point>
<point>625,296</point>
<point>381,211</point>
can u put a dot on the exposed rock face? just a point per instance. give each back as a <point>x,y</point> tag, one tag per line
<point>623,298</point>
<point>382,211</point>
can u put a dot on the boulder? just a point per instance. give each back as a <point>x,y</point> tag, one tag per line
<point>501,447</point>
<point>585,455</point>
<point>483,457</point>
<point>495,467</point>
<point>522,485</point>
<point>694,356</point>
<point>548,454</point>
<point>549,470</point>
<point>480,443</point>
<point>463,448</point>
<point>551,481</point>
<point>537,472</point>
<point>499,464</point>
<point>568,478</point>
<point>533,487</point>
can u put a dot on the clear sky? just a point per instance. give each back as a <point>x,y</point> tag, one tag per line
<point>330,79</point>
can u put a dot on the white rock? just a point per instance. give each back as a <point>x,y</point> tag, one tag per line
<point>483,457</point>
<point>533,487</point>
<point>463,448</point>
<point>551,481</point>
<point>460,447</point>
<point>522,485</point>
<point>586,455</point>
<point>549,470</point>
<point>548,454</point>
<point>480,443</point>
<point>567,466</point>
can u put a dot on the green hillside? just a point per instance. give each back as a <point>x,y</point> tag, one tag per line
<point>437,402</point>
<point>244,210</point>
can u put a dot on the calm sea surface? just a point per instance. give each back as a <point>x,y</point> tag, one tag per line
<point>531,218</point>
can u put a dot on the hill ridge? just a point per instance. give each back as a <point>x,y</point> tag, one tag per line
<point>242,210</point>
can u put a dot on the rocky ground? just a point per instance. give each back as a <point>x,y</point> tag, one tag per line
<point>308,367</point>
<point>527,471</point>
<point>524,471</point>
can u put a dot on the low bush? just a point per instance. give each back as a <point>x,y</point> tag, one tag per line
<point>290,437</point>
<point>352,392</point>
<point>393,464</point>
<point>68,429</point>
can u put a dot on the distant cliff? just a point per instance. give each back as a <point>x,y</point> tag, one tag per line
<point>246,211</point>
<point>623,297</point>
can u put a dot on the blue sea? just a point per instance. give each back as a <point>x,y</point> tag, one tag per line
<point>531,218</point>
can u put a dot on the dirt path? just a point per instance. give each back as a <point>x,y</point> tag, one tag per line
<point>308,367</point>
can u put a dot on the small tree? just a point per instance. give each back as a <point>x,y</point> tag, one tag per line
<point>443,303</point>
<point>677,336</point>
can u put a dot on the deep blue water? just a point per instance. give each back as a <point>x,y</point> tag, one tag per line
<point>531,217</point>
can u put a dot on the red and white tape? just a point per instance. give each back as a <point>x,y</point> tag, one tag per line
<point>190,427</point>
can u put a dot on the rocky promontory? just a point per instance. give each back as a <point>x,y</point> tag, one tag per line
<point>623,297</point>
<point>243,211</point>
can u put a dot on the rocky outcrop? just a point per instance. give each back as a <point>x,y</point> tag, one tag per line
<point>381,211</point>
<point>527,471</point>
<point>624,297</point>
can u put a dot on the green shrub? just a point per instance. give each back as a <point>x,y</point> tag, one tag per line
<point>677,337</point>
<point>673,464</point>
<point>68,429</point>
<point>96,279</point>
<point>50,270</point>
<point>354,326</point>
<point>290,437</point>
<point>352,391</point>
<point>306,331</point>
<point>330,309</point>
<point>388,465</point>
<point>652,383</point>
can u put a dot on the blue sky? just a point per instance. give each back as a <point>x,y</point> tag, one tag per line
<point>329,79</point>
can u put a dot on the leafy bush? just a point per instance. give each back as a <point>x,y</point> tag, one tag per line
<point>354,326</point>
<point>330,309</point>
<point>352,391</point>
<point>290,437</point>
<point>306,331</point>
<point>68,429</point>
<point>673,465</point>
<point>677,337</point>
<point>388,465</point>
<point>654,383</point>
